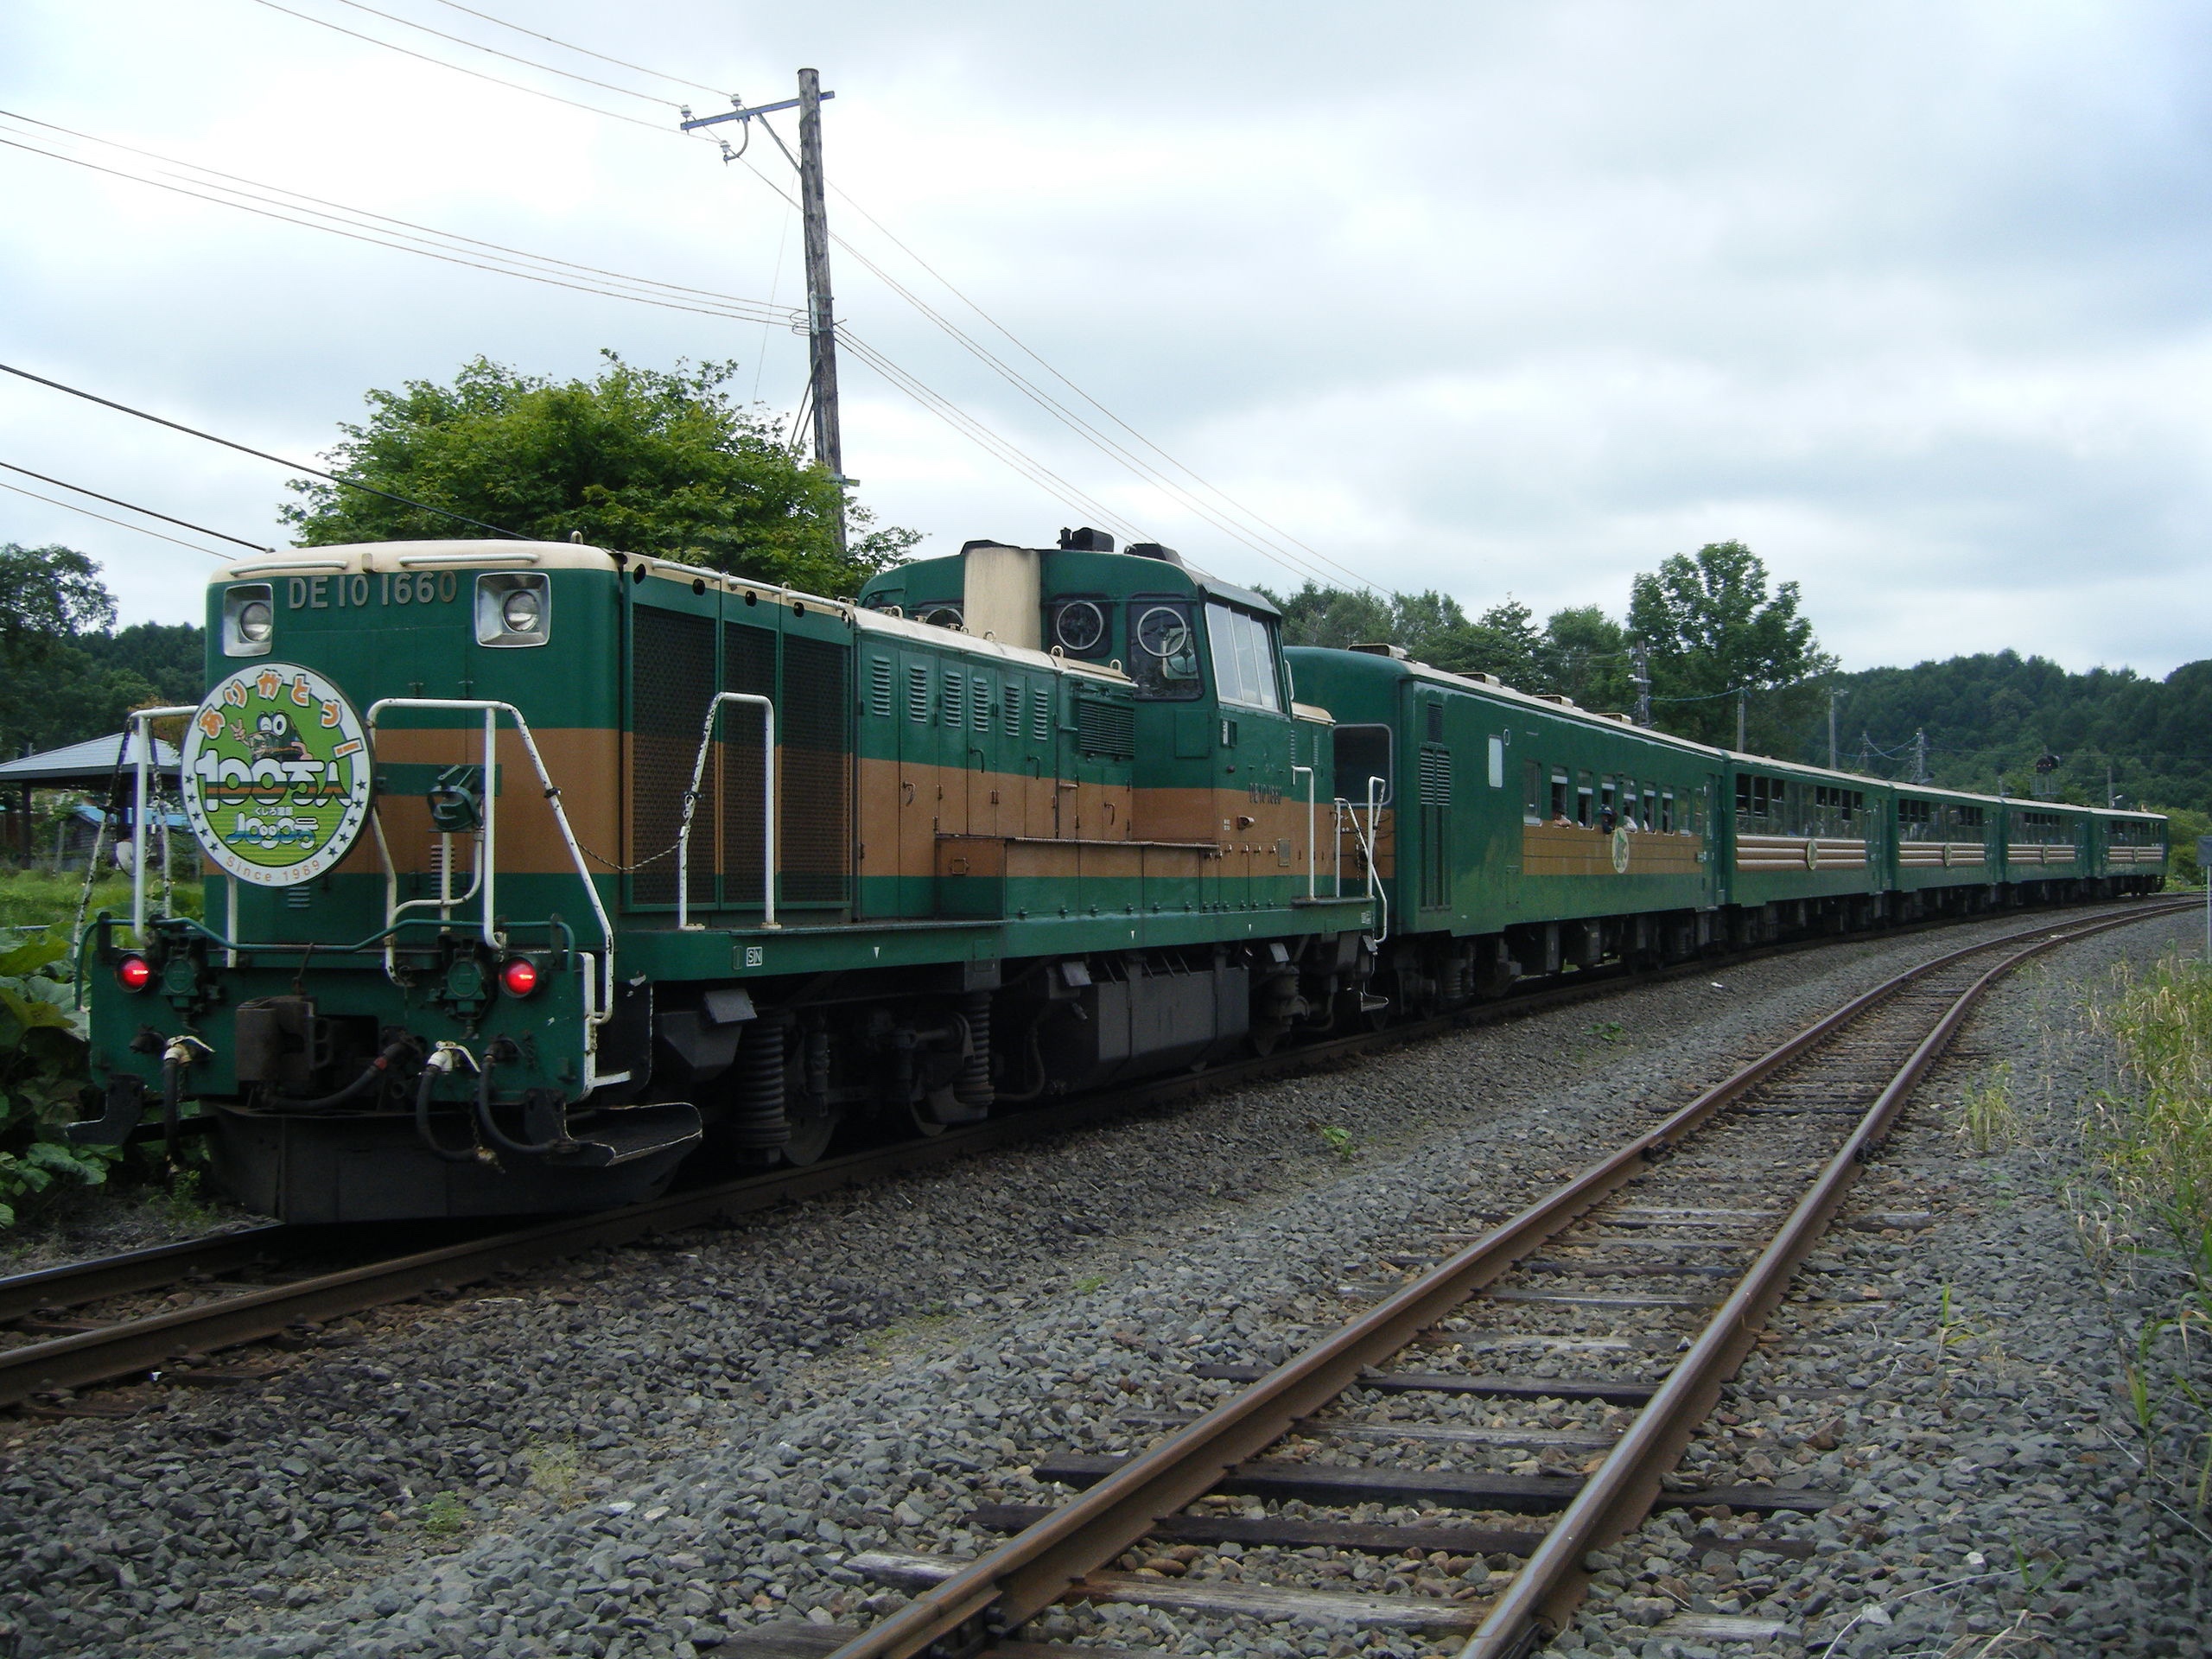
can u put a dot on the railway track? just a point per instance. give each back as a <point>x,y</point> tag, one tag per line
<point>1650,1273</point>
<point>168,1310</point>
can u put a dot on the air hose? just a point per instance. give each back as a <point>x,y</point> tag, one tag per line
<point>371,1076</point>
<point>442,1061</point>
<point>498,1137</point>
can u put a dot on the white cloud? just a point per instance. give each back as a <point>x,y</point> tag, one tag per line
<point>1487,297</point>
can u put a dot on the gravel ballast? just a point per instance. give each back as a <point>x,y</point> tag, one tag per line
<point>642,1451</point>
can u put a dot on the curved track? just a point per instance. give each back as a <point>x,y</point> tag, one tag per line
<point>1722,1201</point>
<point>293,1291</point>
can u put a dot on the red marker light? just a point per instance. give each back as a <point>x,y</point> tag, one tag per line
<point>134,973</point>
<point>519,976</point>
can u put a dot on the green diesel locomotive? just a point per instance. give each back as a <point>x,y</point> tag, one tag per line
<point>536,871</point>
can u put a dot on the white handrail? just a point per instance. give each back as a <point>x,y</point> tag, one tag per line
<point>491,710</point>
<point>767,807</point>
<point>1375,786</point>
<point>137,721</point>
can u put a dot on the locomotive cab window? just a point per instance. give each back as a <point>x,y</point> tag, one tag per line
<point>1362,755</point>
<point>1163,656</point>
<point>1244,658</point>
<point>1080,628</point>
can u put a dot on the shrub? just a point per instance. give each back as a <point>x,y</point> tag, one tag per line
<point>42,1072</point>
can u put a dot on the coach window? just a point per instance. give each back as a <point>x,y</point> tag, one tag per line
<point>1164,652</point>
<point>1532,792</point>
<point>1667,811</point>
<point>1244,658</point>
<point>1558,797</point>
<point>1584,796</point>
<point>1363,757</point>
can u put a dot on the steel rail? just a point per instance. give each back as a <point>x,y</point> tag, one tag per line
<point>999,1591</point>
<point>135,1346</point>
<point>1615,1495</point>
<point>155,1267</point>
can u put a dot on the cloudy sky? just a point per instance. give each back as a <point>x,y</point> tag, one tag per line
<point>1495,298</point>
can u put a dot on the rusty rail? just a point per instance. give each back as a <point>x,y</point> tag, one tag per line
<point>1031,1571</point>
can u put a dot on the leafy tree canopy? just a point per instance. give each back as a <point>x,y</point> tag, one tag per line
<point>49,597</point>
<point>647,460</point>
<point>1714,628</point>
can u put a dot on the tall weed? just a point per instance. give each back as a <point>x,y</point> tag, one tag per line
<point>43,1055</point>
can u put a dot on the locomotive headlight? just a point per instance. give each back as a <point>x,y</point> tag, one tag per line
<point>513,608</point>
<point>249,618</point>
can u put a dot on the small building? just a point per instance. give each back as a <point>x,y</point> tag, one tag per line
<point>91,767</point>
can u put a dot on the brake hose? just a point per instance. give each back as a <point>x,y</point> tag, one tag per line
<point>371,1076</point>
<point>485,1121</point>
<point>441,1062</point>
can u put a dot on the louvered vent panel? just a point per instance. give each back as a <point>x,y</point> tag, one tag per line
<point>1105,729</point>
<point>817,832</point>
<point>879,687</point>
<point>917,693</point>
<point>672,681</point>
<point>1013,708</point>
<point>979,703</point>
<point>955,697</point>
<point>1040,714</point>
<point>748,664</point>
<point>1436,777</point>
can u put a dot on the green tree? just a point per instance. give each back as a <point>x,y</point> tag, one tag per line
<point>646,460</point>
<point>49,598</point>
<point>1503,641</point>
<point>1584,655</point>
<point>1714,628</point>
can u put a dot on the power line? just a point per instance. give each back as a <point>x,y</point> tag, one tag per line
<point>1000,448</point>
<point>569,46</point>
<point>71,506</point>
<point>527,63</point>
<point>463,69</point>
<point>1082,428</point>
<point>1057,374</point>
<point>132,506</point>
<point>260,454</point>
<point>401,241</point>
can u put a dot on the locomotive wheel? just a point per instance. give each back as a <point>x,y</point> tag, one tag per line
<point>813,1127</point>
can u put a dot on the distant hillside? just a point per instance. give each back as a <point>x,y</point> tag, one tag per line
<point>1988,717</point>
<point>96,678</point>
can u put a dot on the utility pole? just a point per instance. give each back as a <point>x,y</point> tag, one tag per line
<point>1920,755</point>
<point>820,313</point>
<point>1640,655</point>
<point>2111,799</point>
<point>1742,696</point>
<point>1833,697</point>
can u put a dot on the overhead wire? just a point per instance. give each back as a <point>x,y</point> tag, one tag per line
<point>985,438</point>
<point>260,454</point>
<point>527,63</point>
<point>570,46</point>
<point>1020,345</point>
<point>463,69</point>
<point>71,506</point>
<point>1106,445</point>
<point>449,247</point>
<point>1312,566</point>
<point>132,506</point>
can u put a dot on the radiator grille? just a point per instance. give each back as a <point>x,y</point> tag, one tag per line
<point>816,831</point>
<point>1106,729</point>
<point>671,678</point>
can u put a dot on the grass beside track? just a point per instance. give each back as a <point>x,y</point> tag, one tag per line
<point>40,899</point>
<point>2155,1144</point>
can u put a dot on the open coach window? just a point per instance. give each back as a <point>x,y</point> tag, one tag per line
<point>1243,658</point>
